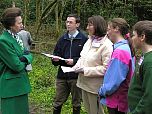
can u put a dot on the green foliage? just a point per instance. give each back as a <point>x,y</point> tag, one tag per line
<point>131,10</point>
<point>118,9</point>
<point>43,72</point>
<point>42,79</point>
<point>4,4</point>
<point>43,75</point>
<point>32,14</point>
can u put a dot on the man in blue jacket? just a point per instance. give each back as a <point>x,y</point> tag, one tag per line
<point>69,47</point>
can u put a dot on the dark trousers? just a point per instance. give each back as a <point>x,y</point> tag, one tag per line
<point>63,90</point>
<point>114,111</point>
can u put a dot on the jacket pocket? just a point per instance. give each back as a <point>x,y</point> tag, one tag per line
<point>10,75</point>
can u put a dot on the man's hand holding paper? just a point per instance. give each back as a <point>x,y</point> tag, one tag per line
<point>56,58</point>
<point>69,61</point>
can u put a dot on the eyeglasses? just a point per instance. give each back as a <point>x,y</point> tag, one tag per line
<point>70,22</point>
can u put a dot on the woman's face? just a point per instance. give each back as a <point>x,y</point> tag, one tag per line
<point>111,33</point>
<point>18,25</point>
<point>90,29</point>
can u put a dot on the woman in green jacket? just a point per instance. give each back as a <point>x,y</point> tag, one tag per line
<point>14,81</point>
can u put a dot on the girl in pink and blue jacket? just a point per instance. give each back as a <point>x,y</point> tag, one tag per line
<point>113,91</point>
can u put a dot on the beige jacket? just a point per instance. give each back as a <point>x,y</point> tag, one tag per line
<point>94,59</point>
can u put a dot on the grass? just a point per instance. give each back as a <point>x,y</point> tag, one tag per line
<point>42,79</point>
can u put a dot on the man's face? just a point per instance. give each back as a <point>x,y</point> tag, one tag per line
<point>18,25</point>
<point>137,40</point>
<point>71,24</point>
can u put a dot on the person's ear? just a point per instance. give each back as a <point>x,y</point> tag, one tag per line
<point>142,39</point>
<point>116,29</point>
<point>77,25</point>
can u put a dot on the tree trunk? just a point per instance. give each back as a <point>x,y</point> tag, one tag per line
<point>26,4</point>
<point>79,7</point>
<point>47,11</point>
<point>57,19</point>
<point>13,4</point>
<point>61,14</point>
<point>38,10</point>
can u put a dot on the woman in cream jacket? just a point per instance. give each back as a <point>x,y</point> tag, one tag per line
<point>93,62</point>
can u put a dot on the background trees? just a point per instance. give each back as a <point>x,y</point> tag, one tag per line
<point>45,18</point>
<point>53,12</point>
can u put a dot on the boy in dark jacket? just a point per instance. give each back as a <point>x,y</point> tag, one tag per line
<point>69,47</point>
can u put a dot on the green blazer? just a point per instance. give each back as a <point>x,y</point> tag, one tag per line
<point>14,79</point>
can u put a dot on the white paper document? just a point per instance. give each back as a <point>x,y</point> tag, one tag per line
<point>29,67</point>
<point>53,56</point>
<point>67,69</point>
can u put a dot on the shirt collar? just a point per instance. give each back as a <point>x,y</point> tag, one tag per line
<point>13,35</point>
<point>74,35</point>
<point>117,44</point>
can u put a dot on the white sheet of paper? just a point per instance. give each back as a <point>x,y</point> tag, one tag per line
<point>53,56</point>
<point>48,55</point>
<point>67,69</point>
<point>29,67</point>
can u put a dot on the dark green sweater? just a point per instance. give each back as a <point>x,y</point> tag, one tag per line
<point>140,91</point>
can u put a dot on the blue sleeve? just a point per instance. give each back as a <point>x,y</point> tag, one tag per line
<point>114,76</point>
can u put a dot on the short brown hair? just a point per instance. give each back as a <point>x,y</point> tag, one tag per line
<point>77,18</point>
<point>99,24</point>
<point>144,28</point>
<point>121,23</point>
<point>9,16</point>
